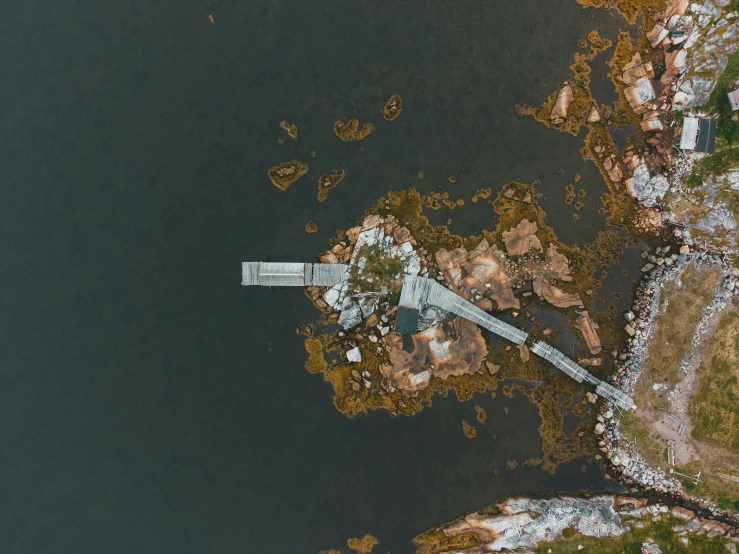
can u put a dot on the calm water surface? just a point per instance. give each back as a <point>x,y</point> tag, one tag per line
<point>148,403</point>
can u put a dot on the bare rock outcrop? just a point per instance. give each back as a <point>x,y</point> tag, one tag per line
<point>522,238</point>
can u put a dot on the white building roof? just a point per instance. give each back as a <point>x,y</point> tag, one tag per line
<point>689,138</point>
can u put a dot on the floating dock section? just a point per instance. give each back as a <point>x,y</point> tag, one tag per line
<point>278,274</point>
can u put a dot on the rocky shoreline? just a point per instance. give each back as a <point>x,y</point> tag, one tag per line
<point>521,524</point>
<point>660,269</point>
<point>691,44</point>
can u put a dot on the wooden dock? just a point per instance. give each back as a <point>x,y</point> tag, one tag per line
<point>279,274</point>
<point>418,292</point>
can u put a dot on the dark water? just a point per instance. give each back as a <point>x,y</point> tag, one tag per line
<point>148,403</point>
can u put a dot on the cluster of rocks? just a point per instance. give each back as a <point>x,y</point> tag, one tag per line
<point>694,41</point>
<point>647,188</point>
<point>694,523</point>
<point>485,275</point>
<point>696,46</point>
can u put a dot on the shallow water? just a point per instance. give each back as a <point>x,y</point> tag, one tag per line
<point>151,404</point>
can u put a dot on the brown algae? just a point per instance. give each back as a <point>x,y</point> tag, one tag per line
<point>285,174</point>
<point>291,130</point>
<point>350,131</point>
<point>311,227</point>
<point>392,108</point>
<point>365,545</point>
<point>481,414</point>
<point>469,431</point>
<point>328,181</point>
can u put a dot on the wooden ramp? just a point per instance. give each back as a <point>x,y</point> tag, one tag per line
<point>418,292</point>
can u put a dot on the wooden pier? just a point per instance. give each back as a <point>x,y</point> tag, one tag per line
<point>279,274</point>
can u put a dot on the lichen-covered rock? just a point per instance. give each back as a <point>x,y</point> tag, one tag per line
<point>525,522</point>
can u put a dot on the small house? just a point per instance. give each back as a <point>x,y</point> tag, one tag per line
<point>699,135</point>
<point>734,99</point>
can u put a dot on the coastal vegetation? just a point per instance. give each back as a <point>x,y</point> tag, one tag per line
<point>552,392</point>
<point>378,272</point>
<point>291,130</point>
<point>469,431</point>
<point>681,305</point>
<point>349,130</point>
<point>392,108</point>
<point>285,174</point>
<point>328,181</point>
<point>662,532</point>
<point>363,545</point>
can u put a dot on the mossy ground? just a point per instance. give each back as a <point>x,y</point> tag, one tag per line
<point>716,402</point>
<point>383,270</point>
<point>714,412</point>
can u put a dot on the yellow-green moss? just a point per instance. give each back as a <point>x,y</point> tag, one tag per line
<point>469,431</point>
<point>350,131</point>
<point>365,545</point>
<point>285,174</point>
<point>481,414</point>
<point>292,130</point>
<point>392,108</point>
<point>328,181</point>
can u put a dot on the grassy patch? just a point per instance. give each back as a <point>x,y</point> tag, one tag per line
<point>380,270</point>
<point>727,128</point>
<point>670,341</point>
<point>715,406</point>
<point>680,311</point>
<point>717,164</point>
